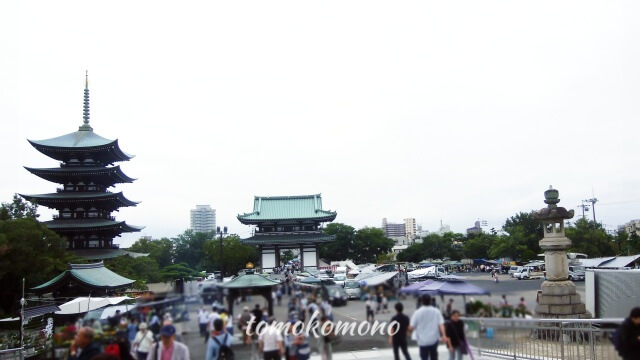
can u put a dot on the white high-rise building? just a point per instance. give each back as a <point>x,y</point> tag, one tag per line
<point>410,228</point>
<point>203,218</point>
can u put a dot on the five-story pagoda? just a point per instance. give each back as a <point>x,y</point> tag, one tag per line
<point>86,171</point>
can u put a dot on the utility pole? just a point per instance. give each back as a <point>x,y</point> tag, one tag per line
<point>593,202</point>
<point>584,207</point>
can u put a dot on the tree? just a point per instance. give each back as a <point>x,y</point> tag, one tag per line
<point>143,269</point>
<point>528,228</point>
<point>477,246</point>
<point>160,250</point>
<point>385,258</point>
<point>342,248</point>
<point>18,209</point>
<point>286,256</point>
<point>236,254</point>
<point>177,271</point>
<point>589,237</point>
<point>368,243</point>
<point>189,248</point>
<point>413,253</point>
<point>28,250</point>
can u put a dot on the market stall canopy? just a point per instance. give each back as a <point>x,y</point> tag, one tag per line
<point>248,281</point>
<point>422,272</point>
<point>414,289</point>
<point>378,279</point>
<point>453,288</point>
<point>111,310</point>
<point>311,280</point>
<point>85,304</point>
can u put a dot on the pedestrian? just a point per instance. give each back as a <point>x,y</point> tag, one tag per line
<point>168,347</point>
<point>203,320</point>
<point>503,301</point>
<point>217,340</point>
<point>369,307</point>
<point>385,304</point>
<point>449,309</point>
<point>143,341</point>
<point>324,341</point>
<point>132,330</point>
<point>83,347</point>
<point>271,342</point>
<point>399,338</point>
<point>455,333</point>
<point>279,295</point>
<point>210,319</point>
<point>427,324</point>
<point>243,324</point>
<point>228,322</point>
<point>629,336</point>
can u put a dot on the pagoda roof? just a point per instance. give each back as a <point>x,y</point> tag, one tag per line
<point>83,225</point>
<point>91,276</point>
<point>249,281</point>
<point>52,200</point>
<point>99,175</point>
<point>279,208</point>
<point>287,238</point>
<point>100,254</point>
<point>82,141</point>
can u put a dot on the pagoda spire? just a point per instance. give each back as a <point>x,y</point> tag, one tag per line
<point>85,126</point>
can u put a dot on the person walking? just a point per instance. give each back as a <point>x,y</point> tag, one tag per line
<point>324,341</point>
<point>427,324</point>
<point>143,341</point>
<point>217,340</point>
<point>243,324</point>
<point>203,320</point>
<point>369,307</point>
<point>399,338</point>
<point>271,342</point>
<point>629,336</point>
<point>455,333</point>
<point>168,348</point>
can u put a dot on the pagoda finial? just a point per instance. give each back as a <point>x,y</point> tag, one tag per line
<point>85,126</point>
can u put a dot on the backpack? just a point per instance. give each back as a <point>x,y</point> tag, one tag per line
<point>225,352</point>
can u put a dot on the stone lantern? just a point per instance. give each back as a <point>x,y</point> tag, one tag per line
<point>558,297</point>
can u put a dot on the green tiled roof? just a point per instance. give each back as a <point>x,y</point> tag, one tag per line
<point>284,238</point>
<point>81,196</point>
<point>101,254</point>
<point>249,281</point>
<point>83,224</point>
<point>80,141</point>
<point>109,175</point>
<point>90,275</point>
<point>279,208</point>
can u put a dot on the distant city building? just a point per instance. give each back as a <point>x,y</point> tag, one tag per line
<point>393,230</point>
<point>203,218</point>
<point>631,227</point>
<point>410,228</point>
<point>476,229</point>
<point>444,228</point>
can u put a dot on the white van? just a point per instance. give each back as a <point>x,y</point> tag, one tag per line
<point>529,272</point>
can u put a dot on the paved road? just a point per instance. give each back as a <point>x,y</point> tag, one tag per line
<point>355,312</point>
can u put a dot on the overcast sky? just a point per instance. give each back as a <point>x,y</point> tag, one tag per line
<point>449,111</point>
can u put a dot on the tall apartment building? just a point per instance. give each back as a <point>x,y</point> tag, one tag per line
<point>203,218</point>
<point>410,228</point>
<point>631,227</point>
<point>392,229</point>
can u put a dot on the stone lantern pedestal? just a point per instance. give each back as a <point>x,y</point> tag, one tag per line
<point>558,297</point>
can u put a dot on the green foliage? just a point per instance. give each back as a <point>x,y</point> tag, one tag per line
<point>235,254</point>
<point>589,237</point>
<point>143,269</point>
<point>286,256</point>
<point>160,250</point>
<point>28,250</point>
<point>189,248</point>
<point>433,246</point>
<point>342,248</point>
<point>18,209</point>
<point>477,246</point>
<point>177,271</point>
<point>413,253</point>
<point>368,243</point>
<point>521,241</point>
<point>385,258</point>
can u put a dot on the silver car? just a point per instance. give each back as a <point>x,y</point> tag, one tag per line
<point>352,287</point>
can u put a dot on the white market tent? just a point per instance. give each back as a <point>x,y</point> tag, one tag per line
<point>378,278</point>
<point>418,273</point>
<point>86,304</point>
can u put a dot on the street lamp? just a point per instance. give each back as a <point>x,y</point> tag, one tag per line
<point>222,233</point>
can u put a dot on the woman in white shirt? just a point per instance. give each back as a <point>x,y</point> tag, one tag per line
<point>143,342</point>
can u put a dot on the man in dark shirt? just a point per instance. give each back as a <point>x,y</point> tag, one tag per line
<point>399,331</point>
<point>630,335</point>
<point>83,347</point>
<point>455,333</point>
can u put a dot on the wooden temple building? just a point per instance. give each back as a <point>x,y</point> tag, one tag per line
<point>83,201</point>
<point>287,222</point>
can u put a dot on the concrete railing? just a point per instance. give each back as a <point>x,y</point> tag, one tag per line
<point>515,338</point>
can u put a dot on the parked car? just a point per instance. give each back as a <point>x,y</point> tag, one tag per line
<point>576,273</point>
<point>528,272</point>
<point>352,288</point>
<point>325,273</point>
<point>513,270</point>
<point>336,295</point>
<point>340,279</point>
